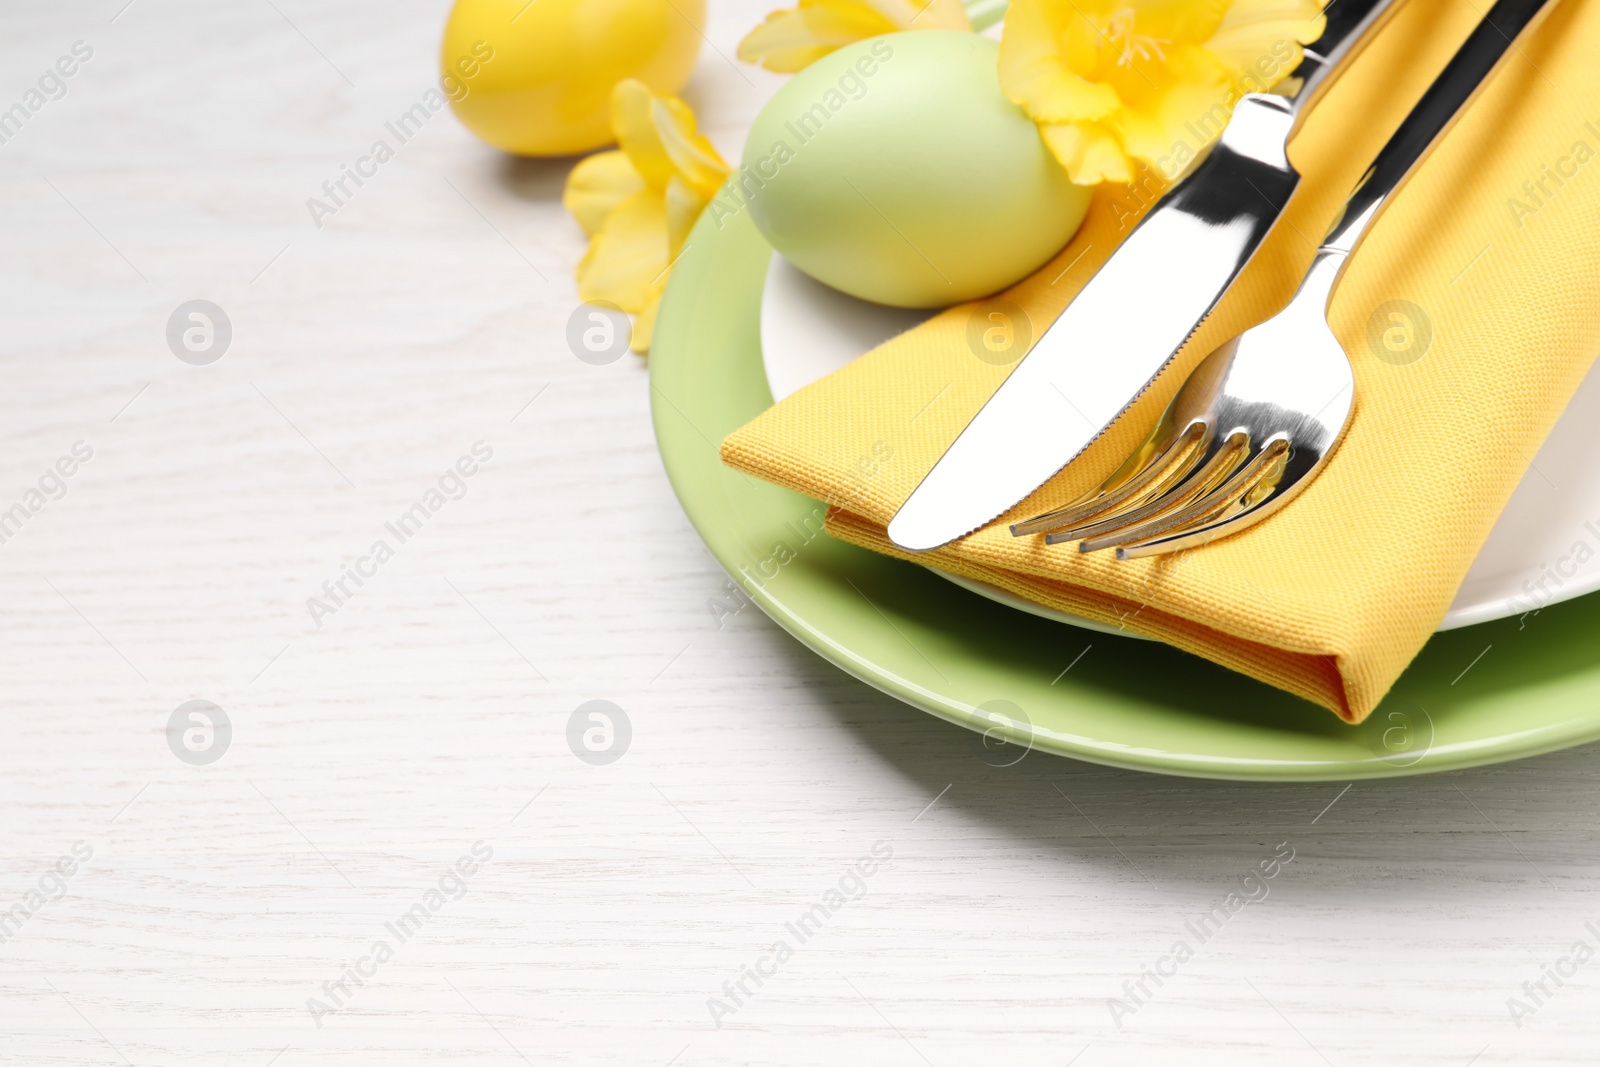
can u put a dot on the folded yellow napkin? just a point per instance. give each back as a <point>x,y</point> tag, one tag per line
<point>1496,239</point>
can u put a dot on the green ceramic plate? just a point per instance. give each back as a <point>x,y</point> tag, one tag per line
<point>1482,694</point>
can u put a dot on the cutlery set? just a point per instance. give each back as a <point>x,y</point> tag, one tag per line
<point>1258,418</point>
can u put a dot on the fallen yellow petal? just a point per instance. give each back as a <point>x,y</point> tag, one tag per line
<point>692,156</point>
<point>683,205</point>
<point>639,203</point>
<point>633,121</point>
<point>628,255</point>
<point>597,185</point>
<point>658,134</point>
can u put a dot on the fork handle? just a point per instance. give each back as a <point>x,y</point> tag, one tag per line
<point>1444,102</point>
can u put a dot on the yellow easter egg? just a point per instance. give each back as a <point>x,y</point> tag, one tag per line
<point>534,77</point>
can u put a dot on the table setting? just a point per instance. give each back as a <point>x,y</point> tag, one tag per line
<point>1454,339</point>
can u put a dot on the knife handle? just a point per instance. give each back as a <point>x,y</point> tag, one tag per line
<point>1351,24</point>
<point>1444,102</point>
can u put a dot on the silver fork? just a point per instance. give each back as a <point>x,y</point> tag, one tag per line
<point>1259,417</point>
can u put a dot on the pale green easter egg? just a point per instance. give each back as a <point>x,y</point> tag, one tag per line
<point>896,170</point>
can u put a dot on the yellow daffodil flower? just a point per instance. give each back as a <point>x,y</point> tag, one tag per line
<point>794,38</point>
<point>638,203</point>
<point>1115,83</point>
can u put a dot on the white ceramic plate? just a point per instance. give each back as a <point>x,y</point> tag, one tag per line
<point>1544,549</point>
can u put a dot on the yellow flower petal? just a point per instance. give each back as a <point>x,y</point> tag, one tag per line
<point>628,255</point>
<point>693,157</point>
<point>683,206</point>
<point>1089,152</point>
<point>597,185</point>
<point>1169,22</point>
<point>1260,40</point>
<point>1192,106</point>
<point>924,14</point>
<point>1035,67</point>
<point>792,39</point>
<point>639,203</point>
<point>658,134</point>
<point>632,120</point>
<point>1111,82</point>
<point>787,42</point>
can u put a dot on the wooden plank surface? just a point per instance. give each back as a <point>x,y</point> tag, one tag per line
<point>611,910</point>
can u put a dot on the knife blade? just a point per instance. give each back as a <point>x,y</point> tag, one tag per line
<point>1113,340</point>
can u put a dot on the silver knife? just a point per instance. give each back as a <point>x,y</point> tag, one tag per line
<point>1113,339</point>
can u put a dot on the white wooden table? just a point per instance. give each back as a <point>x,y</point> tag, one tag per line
<point>613,909</point>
